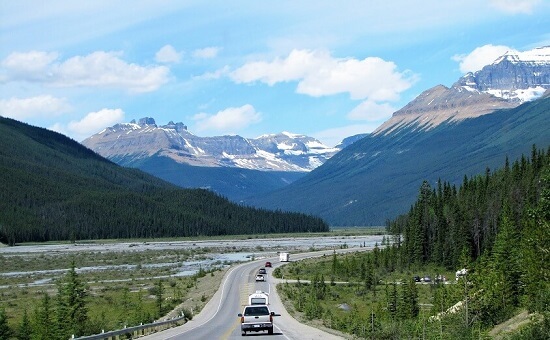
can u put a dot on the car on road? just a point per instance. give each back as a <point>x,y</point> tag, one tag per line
<point>268,264</point>
<point>256,318</point>
<point>262,271</point>
<point>260,278</point>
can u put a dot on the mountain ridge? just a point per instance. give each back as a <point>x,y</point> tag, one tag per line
<point>377,177</point>
<point>284,151</point>
<point>54,188</point>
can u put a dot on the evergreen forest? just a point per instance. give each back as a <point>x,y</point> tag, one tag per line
<point>53,188</point>
<point>493,229</point>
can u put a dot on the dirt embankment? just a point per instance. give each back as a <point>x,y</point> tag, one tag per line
<point>511,325</point>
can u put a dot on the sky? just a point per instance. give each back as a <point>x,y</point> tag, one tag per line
<point>326,69</point>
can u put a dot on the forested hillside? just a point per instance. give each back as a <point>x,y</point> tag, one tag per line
<point>53,188</point>
<point>497,226</point>
<point>376,178</point>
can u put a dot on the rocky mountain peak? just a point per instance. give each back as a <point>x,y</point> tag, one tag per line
<point>514,76</point>
<point>127,143</point>
<point>145,121</point>
<point>510,80</point>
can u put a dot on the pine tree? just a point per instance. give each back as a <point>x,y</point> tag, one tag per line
<point>24,331</point>
<point>5,331</point>
<point>410,300</point>
<point>160,296</point>
<point>72,313</point>
<point>392,300</point>
<point>536,251</point>
<point>43,327</point>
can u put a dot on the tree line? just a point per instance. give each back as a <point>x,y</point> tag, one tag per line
<point>53,188</point>
<point>496,226</point>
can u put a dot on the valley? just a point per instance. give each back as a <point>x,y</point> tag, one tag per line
<point>121,278</point>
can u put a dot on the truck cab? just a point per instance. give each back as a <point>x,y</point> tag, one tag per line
<point>256,318</point>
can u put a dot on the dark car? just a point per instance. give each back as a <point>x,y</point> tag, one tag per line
<point>262,271</point>
<point>268,264</point>
<point>416,279</point>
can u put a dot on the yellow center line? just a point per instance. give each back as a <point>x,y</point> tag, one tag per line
<point>231,330</point>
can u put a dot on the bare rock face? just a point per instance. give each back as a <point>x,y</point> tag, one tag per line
<point>441,104</point>
<point>127,143</point>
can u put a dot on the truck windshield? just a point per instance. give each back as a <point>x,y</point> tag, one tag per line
<point>256,311</point>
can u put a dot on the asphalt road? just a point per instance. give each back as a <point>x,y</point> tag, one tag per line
<point>218,319</point>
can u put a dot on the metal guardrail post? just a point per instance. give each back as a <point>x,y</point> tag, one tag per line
<point>157,326</point>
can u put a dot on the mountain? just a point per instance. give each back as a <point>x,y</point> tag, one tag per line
<point>53,188</point>
<point>129,143</point>
<point>232,166</point>
<point>444,133</point>
<point>378,177</point>
<point>515,76</point>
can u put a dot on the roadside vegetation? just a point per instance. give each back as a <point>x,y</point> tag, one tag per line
<point>496,227</point>
<point>112,291</point>
<point>122,281</point>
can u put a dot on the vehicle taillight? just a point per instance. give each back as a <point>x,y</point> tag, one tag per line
<point>242,319</point>
<point>270,318</point>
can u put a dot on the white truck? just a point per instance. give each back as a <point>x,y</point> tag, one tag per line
<point>258,298</point>
<point>256,318</point>
<point>284,257</point>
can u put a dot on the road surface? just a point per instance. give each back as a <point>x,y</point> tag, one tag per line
<point>218,319</point>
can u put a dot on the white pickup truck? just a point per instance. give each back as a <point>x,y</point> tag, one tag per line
<point>256,318</point>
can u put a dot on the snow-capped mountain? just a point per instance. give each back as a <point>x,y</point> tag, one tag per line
<point>443,134</point>
<point>127,143</point>
<point>514,76</point>
<point>509,81</point>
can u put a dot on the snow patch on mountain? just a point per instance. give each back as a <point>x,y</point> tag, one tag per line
<point>127,143</point>
<point>512,79</point>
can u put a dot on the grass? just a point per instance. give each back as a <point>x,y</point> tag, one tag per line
<point>120,282</point>
<point>346,296</point>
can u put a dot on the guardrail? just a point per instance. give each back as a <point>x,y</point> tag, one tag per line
<point>135,331</point>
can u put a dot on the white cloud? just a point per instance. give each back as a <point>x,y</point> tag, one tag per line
<point>480,57</point>
<point>516,6</point>
<point>39,106</point>
<point>30,65</point>
<point>320,74</point>
<point>98,69</point>
<point>206,53</point>
<point>228,120</point>
<point>92,123</point>
<point>168,54</point>
<point>371,111</point>
<point>214,75</point>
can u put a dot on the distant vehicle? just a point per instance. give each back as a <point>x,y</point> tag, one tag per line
<point>284,257</point>
<point>260,278</point>
<point>256,318</point>
<point>258,298</point>
<point>416,279</point>
<point>268,264</point>
<point>262,271</point>
<point>440,278</point>
<point>460,273</point>
<point>427,279</point>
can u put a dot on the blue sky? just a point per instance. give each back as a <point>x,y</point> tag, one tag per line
<point>327,69</point>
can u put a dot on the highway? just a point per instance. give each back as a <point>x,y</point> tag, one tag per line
<point>218,319</point>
